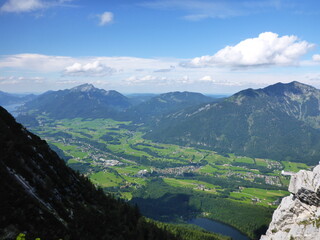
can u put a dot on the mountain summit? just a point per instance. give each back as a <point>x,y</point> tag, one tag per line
<point>295,88</point>
<point>84,101</point>
<point>83,88</point>
<point>280,122</point>
<point>282,90</point>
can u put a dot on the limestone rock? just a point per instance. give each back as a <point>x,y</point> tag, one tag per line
<point>305,179</point>
<point>298,215</point>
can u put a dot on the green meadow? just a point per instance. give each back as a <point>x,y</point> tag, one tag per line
<point>293,166</point>
<point>116,157</point>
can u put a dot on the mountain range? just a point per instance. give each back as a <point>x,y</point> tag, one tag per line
<point>280,122</point>
<point>81,101</point>
<point>41,196</point>
<point>163,104</point>
<point>86,101</point>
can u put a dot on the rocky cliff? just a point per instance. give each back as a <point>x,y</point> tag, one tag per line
<point>298,215</point>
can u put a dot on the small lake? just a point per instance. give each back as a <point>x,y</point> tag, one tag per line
<point>218,227</point>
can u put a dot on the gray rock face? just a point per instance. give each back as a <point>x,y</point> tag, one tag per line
<point>305,179</point>
<point>298,215</point>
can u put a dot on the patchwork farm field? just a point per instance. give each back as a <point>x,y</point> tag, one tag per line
<point>116,157</point>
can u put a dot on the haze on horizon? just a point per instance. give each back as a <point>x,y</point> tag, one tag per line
<point>217,46</point>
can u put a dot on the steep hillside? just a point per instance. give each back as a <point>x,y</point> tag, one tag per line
<point>279,122</point>
<point>42,197</point>
<point>82,101</point>
<point>164,104</point>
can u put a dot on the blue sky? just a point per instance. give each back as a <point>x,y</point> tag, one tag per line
<point>158,46</point>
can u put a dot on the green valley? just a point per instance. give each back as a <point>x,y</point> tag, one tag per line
<point>169,182</point>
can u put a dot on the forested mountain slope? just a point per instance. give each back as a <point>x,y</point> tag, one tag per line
<point>82,101</point>
<point>164,104</point>
<point>41,196</point>
<point>279,122</point>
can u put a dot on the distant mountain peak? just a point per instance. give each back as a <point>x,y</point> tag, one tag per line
<point>283,117</point>
<point>286,88</point>
<point>81,101</point>
<point>278,90</point>
<point>83,88</point>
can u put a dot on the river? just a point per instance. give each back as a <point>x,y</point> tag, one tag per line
<point>218,227</point>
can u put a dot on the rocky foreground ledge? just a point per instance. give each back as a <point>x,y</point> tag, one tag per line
<point>298,215</point>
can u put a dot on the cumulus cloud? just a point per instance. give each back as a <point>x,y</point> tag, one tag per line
<point>316,57</point>
<point>105,18</point>
<point>18,6</point>
<point>267,49</point>
<point>22,5</point>
<point>95,69</point>
<point>121,73</point>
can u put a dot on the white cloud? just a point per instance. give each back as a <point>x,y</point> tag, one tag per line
<point>206,78</point>
<point>8,80</point>
<point>46,63</point>
<point>18,6</point>
<point>184,80</point>
<point>148,78</point>
<point>22,5</point>
<point>70,82</point>
<point>11,80</point>
<point>228,83</point>
<point>96,69</point>
<point>145,80</point>
<point>164,80</point>
<point>267,49</point>
<point>164,70</point>
<point>32,79</point>
<point>35,62</point>
<point>316,57</point>
<point>120,73</point>
<point>105,18</point>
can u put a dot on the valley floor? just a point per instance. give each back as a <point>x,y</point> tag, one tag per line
<point>169,182</point>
